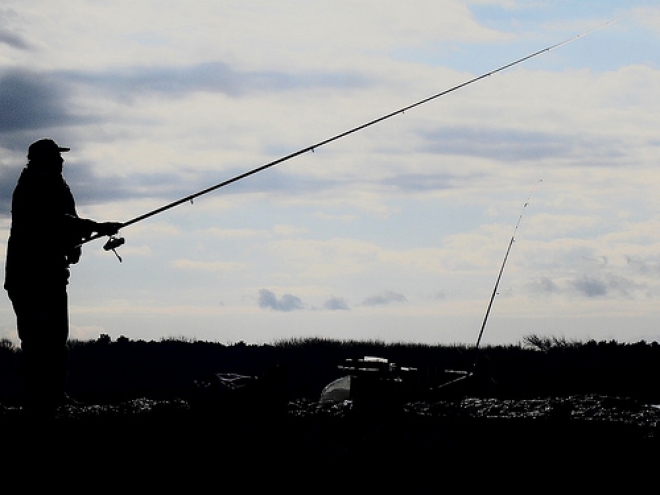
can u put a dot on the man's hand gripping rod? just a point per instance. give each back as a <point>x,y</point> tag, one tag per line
<point>115,241</point>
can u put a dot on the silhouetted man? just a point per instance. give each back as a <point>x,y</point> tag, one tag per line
<point>44,240</point>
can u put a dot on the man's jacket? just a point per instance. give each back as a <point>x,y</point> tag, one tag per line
<point>45,231</point>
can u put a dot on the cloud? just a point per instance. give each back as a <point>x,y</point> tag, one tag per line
<point>590,286</point>
<point>422,182</point>
<point>83,333</point>
<point>507,144</point>
<point>43,99</point>
<point>13,40</point>
<point>335,304</point>
<point>648,16</point>
<point>598,287</point>
<point>51,103</point>
<point>288,302</point>
<point>8,178</point>
<point>32,100</point>
<point>90,188</point>
<point>644,267</point>
<point>9,37</point>
<point>383,299</point>
<point>543,285</point>
<point>440,295</point>
<point>277,181</point>
<point>206,267</point>
<point>128,83</point>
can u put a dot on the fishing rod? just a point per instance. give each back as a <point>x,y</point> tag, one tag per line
<point>499,275</point>
<point>465,374</point>
<point>115,241</point>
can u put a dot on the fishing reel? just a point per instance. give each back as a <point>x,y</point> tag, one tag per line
<point>113,243</point>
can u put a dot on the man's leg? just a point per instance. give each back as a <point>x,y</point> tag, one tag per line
<point>43,328</point>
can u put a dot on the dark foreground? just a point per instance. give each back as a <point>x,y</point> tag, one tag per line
<point>306,447</point>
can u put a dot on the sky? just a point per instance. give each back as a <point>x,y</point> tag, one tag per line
<point>395,233</point>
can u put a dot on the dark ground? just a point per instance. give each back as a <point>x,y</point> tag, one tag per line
<point>308,447</point>
<point>575,418</point>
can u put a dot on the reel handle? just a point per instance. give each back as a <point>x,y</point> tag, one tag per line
<point>113,243</point>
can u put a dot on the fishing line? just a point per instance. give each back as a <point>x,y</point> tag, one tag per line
<point>113,242</point>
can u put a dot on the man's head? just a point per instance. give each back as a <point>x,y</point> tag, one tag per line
<point>46,152</point>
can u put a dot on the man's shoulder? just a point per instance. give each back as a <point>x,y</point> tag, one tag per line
<point>31,180</point>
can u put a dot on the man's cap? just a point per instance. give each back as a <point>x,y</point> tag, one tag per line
<point>44,148</point>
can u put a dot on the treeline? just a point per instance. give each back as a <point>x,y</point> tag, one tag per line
<point>106,371</point>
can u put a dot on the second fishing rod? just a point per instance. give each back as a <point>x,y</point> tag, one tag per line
<point>115,241</point>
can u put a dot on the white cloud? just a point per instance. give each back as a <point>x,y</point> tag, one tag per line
<point>202,266</point>
<point>648,16</point>
<point>77,332</point>
<point>385,298</point>
<point>172,99</point>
